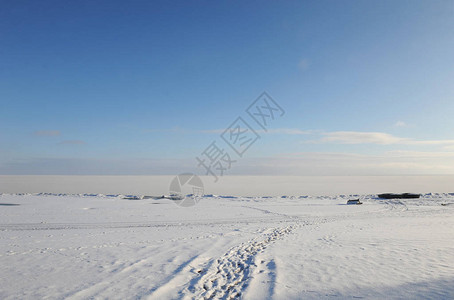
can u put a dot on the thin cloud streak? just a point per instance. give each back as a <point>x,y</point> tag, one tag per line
<point>284,131</point>
<point>338,137</point>
<point>47,133</point>
<point>400,124</point>
<point>72,142</point>
<point>339,164</point>
<point>378,138</point>
<point>298,164</point>
<point>354,137</point>
<point>289,131</point>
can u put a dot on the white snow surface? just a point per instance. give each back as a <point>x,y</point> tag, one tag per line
<point>108,247</point>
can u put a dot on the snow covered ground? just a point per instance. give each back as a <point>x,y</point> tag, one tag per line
<point>99,247</point>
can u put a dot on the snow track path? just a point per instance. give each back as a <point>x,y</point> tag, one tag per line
<point>224,277</point>
<point>228,275</point>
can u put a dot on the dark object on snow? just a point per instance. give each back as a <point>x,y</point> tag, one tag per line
<point>131,197</point>
<point>399,196</point>
<point>354,201</point>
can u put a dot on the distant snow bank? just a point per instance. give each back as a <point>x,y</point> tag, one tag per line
<point>425,196</point>
<point>228,185</point>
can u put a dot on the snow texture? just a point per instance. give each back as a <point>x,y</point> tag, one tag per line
<point>108,247</point>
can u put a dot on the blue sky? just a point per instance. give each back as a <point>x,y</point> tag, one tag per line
<point>143,87</point>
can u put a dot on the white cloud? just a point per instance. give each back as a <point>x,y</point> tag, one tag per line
<point>378,138</point>
<point>431,142</point>
<point>354,137</point>
<point>400,124</point>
